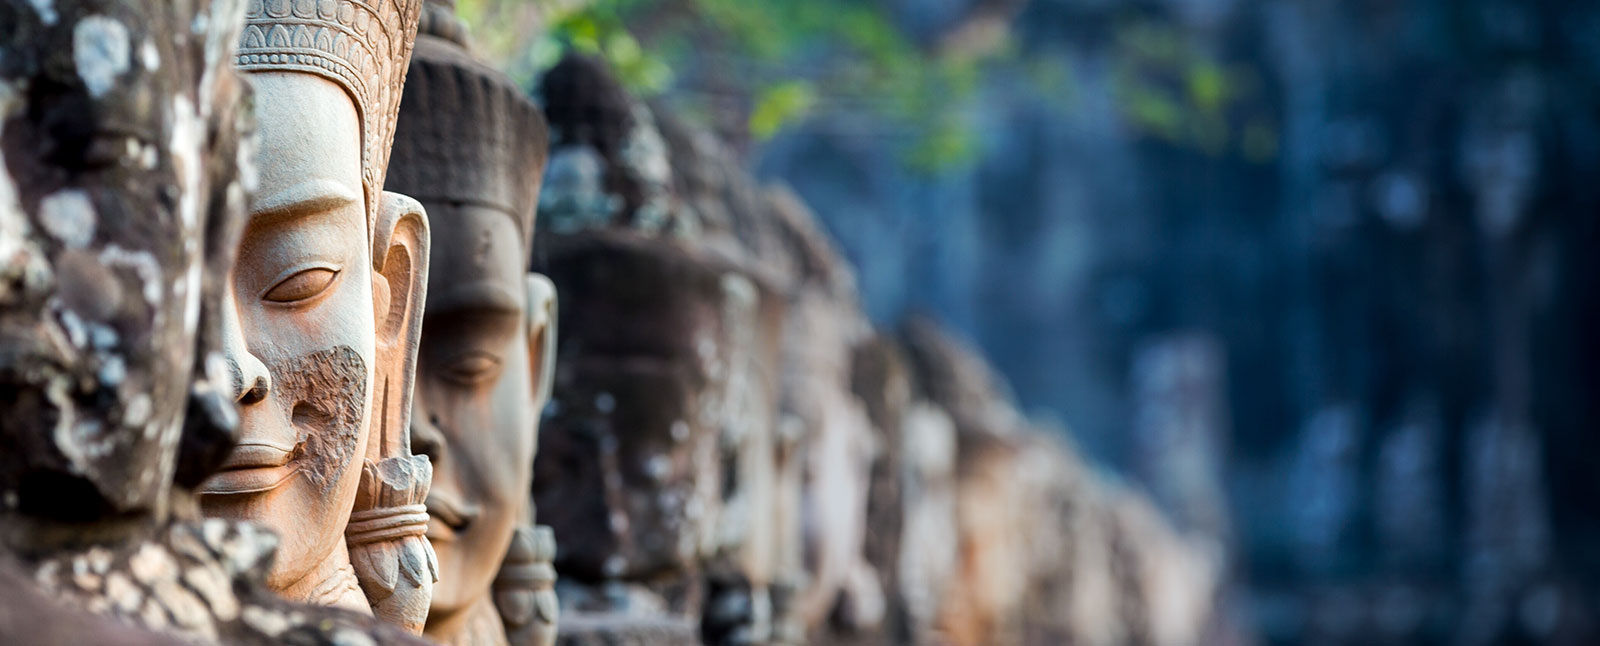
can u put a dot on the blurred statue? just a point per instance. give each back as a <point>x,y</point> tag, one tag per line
<point>628,472</point>
<point>125,174</point>
<point>907,549</point>
<point>471,148</point>
<point>524,589</point>
<point>832,447</point>
<point>720,207</point>
<point>655,463</point>
<point>1049,551</point>
<point>327,301</point>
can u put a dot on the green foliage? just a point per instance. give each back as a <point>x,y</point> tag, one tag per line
<point>777,63</point>
<point>780,104</point>
<point>1173,91</point>
<point>602,33</point>
<point>791,59</point>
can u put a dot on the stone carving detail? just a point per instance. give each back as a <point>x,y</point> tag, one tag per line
<point>324,391</point>
<point>124,166</point>
<point>387,539</point>
<point>337,481</point>
<point>361,45</point>
<point>471,147</point>
<point>524,590</point>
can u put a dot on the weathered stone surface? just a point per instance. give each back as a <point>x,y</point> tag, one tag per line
<point>323,337</point>
<point>29,616</point>
<point>667,382</point>
<point>121,202</point>
<point>194,580</point>
<point>471,147</point>
<point>117,169</point>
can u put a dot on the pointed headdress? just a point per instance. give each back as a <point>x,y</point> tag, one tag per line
<point>362,45</point>
<point>467,133</point>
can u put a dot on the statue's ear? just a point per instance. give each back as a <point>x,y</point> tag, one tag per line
<point>542,312</point>
<point>399,289</point>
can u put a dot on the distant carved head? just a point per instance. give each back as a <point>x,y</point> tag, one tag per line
<point>471,147</point>
<point>327,293</point>
<point>629,474</point>
<point>656,457</point>
<point>120,193</point>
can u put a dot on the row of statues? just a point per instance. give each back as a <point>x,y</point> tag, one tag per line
<point>279,332</point>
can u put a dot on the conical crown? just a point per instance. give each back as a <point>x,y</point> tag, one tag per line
<point>363,45</point>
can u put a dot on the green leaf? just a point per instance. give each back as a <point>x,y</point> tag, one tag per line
<point>1208,86</point>
<point>780,104</point>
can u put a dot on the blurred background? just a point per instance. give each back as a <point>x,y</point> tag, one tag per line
<point>1319,275</point>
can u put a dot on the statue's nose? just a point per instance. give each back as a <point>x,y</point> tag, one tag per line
<point>425,436</point>
<point>250,381</point>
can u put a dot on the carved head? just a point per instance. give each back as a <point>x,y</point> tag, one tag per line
<point>834,433</point>
<point>656,423</point>
<point>328,289</point>
<point>628,471</point>
<point>120,194</point>
<point>471,147</point>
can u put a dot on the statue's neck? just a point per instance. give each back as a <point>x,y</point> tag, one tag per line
<point>331,583</point>
<point>478,625</point>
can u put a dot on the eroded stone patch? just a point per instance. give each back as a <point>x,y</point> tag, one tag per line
<point>323,394</point>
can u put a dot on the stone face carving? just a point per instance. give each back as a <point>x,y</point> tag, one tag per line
<point>361,46</point>
<point>117,169</point>
<point>836,445</point>
<point>628,469</point>
<point>722,210</point>
<point>472,149</point>
<point>121,201</point>
<point>641,474</point>
<point>327,303</point>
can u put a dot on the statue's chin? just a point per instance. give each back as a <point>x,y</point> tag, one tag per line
<point>309,523</point>
<point>448,597</point>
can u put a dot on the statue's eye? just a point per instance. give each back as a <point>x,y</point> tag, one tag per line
<point>301,286</point>
<point>472,368</point>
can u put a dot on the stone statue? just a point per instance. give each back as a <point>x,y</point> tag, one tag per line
<point>524,589</point>
<point>123,182</point>
<point>731,219</point>
<point>471,147</point>
<point>643,463</point>
<point>836,447</point>
<point>1049,551</point>
<point>327,303</point>
<point>101,330</point>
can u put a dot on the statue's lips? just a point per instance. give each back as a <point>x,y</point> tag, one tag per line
<point>252,467</point>
<point>449,515</point>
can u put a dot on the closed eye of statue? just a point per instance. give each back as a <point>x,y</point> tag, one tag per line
<point>472,368</point>
<point>301,285</point>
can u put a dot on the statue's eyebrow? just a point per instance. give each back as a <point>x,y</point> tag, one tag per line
<point>310,196</point>
<point>477,297</point>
